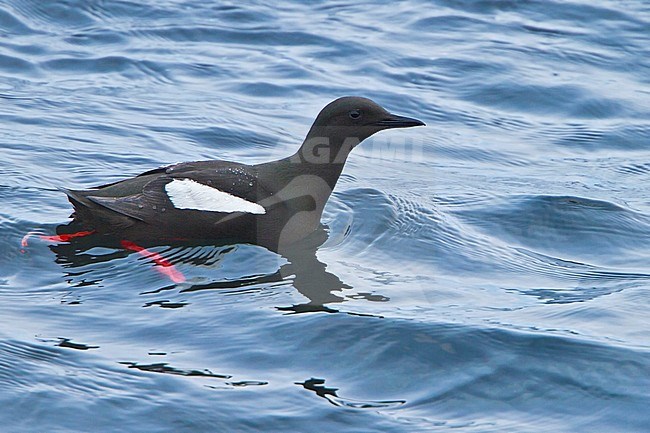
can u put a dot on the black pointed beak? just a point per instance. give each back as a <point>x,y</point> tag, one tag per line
<point>395,121</point>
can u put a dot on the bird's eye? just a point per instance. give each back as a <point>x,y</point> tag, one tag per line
<point>355,114</point>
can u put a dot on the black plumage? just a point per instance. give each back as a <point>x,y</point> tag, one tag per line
<point>282,200</point>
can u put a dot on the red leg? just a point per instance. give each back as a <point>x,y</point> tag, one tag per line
<point>163,265</point>
<point>67,237</point>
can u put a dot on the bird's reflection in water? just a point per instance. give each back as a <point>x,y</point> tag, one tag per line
<point>300,266</point>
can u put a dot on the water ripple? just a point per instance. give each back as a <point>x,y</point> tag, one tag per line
<point>486,273</point>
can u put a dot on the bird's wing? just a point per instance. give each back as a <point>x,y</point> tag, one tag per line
<point>147,197</point>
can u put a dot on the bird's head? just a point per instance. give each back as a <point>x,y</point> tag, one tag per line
<point>347,121</point>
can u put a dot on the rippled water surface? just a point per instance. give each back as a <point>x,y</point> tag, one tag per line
<point>487,273</point>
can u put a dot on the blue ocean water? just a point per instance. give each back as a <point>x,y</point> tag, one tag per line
<point>487,273</point>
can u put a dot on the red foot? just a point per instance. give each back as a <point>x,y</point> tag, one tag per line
<point>24,242</point>
<point>164,266</point>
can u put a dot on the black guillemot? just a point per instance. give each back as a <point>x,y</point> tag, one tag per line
<point>270,204</point>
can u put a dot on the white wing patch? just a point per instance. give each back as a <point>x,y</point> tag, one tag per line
<point>189,194</point>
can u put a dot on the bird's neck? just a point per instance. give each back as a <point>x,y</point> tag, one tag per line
<point>322,156</point>
<point>313,170</point>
